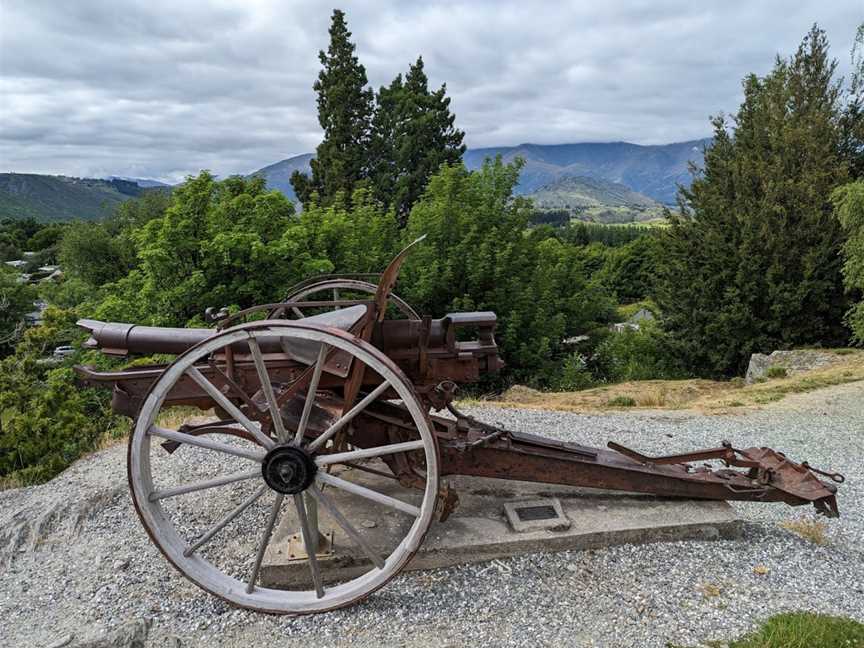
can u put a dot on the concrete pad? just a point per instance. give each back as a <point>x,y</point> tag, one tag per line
<point>478,530</point>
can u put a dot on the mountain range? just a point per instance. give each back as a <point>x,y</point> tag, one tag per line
<point>60,198</point>
<point>607,182</point>
<point>653,170</point>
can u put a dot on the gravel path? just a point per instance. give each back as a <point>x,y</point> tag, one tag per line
<point>75,561</point>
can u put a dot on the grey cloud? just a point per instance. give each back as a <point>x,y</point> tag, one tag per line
<point>162,89</point>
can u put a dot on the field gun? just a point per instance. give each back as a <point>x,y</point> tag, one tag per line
<point>316,396</point>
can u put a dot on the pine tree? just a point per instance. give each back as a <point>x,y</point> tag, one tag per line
<point>345,107</point>
<point>852,120</point>
<point>413,134</point>
<point>752,264</point>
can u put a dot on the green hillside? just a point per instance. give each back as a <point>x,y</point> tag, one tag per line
<point>596,200</point>
<point>58,198</point>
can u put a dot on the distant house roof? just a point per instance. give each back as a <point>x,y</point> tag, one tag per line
<point>642,314</point>
<point>18,263</point>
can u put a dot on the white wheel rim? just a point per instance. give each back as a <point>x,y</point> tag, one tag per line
<point>210,577</point>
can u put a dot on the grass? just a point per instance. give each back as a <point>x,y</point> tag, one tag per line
<point>810,529</point>
<point>10,481</point>
<point>706,395</point>
<point>776,372</point>
<point>799,630</point>
<point>621,401</point>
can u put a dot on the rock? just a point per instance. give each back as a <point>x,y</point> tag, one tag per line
<point>132,634</point>
<point>62,641</point>
<point>797,361</point>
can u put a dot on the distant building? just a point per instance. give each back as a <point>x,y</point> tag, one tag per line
<point>632,323</point>
<point>35,317</point>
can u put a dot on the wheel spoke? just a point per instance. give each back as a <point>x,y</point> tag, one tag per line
<point>368,493</point>
<point>209,444</point>
<point>265,540</point>
<point>350,531</point>
<point>346,418</point>
<point>309,543</point>
<point>203,485</point>
<point>310,393</point>
<point>225,403</point>
<point>365,453</point>
<point>221,524</point>
<point>267,387</point>
<point>298,312</point>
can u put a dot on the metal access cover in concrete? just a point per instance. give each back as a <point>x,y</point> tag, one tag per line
<point>536,515</point>
<point>478,530</point>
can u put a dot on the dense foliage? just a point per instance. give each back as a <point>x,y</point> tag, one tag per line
<point>478,257</point>
<point>849,203</point>
<point>16,300</point>
<point>753,263</point>
<point>28,235</point>
<point>582,233</point>
<point>46,422</point>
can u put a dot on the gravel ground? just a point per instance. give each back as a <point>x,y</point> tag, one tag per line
<point>76,562</point>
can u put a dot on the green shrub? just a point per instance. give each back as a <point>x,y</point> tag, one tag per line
<point>16,299</point>
<point>46,421</point>
<point>574,374</point>
<point>621,401</point>
<point>776,372</point>
<point>634,355</point>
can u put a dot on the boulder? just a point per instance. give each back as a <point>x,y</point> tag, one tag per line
<point>794,362</point>
<point>131,634</point>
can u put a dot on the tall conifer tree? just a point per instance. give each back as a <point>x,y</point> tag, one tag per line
<point>752,264</point>
<point>345,107</point>
<point>413,134</point>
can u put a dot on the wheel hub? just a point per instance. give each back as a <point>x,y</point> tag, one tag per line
<point>288,469</point>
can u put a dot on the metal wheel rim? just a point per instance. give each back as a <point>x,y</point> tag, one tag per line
<point>350,284</point>
<point>208,576</point>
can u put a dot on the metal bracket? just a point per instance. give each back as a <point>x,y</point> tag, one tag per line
<point>297,550</point>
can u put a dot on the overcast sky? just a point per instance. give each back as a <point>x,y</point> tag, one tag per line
<point>161,89</point>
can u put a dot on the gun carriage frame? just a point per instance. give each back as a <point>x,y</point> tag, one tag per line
<point>303,404</point>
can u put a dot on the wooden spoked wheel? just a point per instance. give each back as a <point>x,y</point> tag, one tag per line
<point>211,503</point>
<point>336,290</point>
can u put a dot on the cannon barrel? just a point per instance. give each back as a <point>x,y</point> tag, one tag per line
<point>118,338</point>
